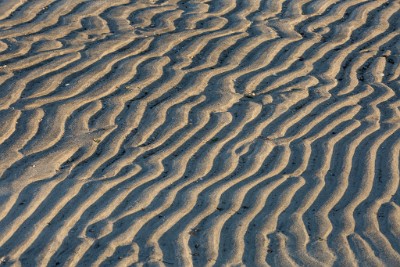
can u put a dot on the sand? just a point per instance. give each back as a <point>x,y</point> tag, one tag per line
<point>199,133</point>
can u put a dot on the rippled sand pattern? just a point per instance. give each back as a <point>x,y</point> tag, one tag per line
<point>204,133</point>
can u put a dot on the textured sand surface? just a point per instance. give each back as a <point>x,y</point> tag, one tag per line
<point>199,132</point>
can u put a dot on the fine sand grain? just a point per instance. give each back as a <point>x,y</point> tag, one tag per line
<point>199,132</point>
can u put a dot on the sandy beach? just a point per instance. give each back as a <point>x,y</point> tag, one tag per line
<point>199,133</point>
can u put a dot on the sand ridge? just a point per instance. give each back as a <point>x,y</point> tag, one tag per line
<point>199,133</point>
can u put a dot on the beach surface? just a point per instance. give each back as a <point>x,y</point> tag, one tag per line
<point>199,133</point>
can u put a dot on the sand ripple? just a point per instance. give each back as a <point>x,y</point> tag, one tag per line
<point>181,133</point>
